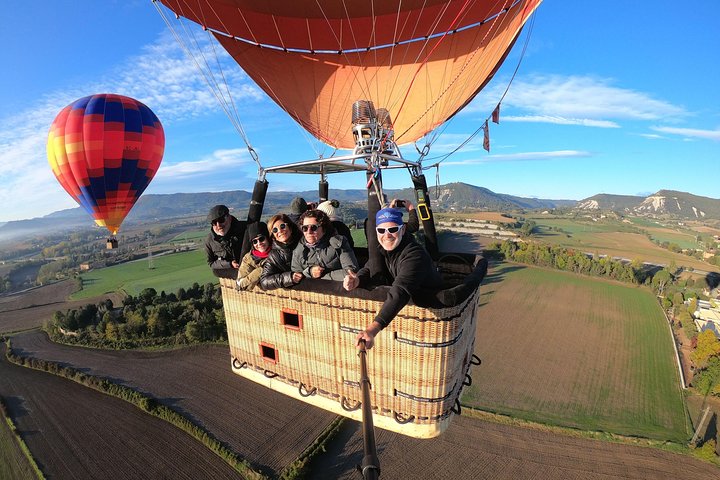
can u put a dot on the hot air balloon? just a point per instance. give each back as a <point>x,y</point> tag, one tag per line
<point>364,76</point>
<point>104,150</point>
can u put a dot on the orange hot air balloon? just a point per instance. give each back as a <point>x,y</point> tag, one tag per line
<point>104,150</point>
<point>421,60</point>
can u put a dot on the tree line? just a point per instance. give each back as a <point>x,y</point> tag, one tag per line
<point>187,316</point>
<point>572,260</point>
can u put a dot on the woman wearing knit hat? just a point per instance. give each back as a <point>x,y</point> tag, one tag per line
<point>252,262</point>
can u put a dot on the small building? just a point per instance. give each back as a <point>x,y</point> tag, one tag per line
<point>707,317</point>
<point>85,266</point>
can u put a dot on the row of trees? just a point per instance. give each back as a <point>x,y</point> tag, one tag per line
<point>574,261</point>
<point>192,315</point>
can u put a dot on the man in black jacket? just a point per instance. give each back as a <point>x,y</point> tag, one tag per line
<point>226,244</point>
<point>407,267</point>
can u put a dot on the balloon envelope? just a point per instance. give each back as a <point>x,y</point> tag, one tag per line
<point>104,150</point>
<point>422,60</point>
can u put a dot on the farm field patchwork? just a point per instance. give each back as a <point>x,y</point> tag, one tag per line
<point>576,352</point>
<point>171,272</point>
<point>271,430</point>
<point>76,432</point>
<point>614,239</point>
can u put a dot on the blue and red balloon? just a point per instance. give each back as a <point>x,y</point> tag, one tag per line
<point>104,150</point>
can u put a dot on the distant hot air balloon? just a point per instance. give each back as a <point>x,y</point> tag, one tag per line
<point>104,150</point>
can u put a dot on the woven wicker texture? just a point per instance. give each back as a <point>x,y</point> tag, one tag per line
<point>303,336</point>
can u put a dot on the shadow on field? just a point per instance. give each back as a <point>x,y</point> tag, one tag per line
<point>459,242</point>
<point>16,406</point>
<point>498,271</point>
<point>344,454</point>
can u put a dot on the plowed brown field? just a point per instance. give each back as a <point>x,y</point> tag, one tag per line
<point>475,449</point>
<point>271,430</point>
<point>75,432</point>
<point>268,429</point>
<point>27,310</point>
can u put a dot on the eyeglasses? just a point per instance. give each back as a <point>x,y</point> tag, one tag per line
<point>219,220</point>
<point>282,226</point>
<point>382,230</point>
<point>312,227</point>
<point>259,239</point>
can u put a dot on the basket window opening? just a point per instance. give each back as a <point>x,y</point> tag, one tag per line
<point>291,319</point>
<point>268,352</point>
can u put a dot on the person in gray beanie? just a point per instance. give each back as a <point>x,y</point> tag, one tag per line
<point>298,206</point>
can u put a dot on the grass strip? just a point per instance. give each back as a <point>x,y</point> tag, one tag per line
<point>143,402</point>
<point>20,442</point>
<point>298,469</point>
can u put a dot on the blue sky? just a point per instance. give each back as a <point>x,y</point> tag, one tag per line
<point>611,97</point>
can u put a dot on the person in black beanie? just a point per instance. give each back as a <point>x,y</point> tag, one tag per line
<point>252,262</point>
<point>226,243</point>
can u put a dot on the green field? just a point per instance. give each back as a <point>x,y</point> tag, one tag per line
<point>171,272</point>
<point>190,236</point>
<point>13,463</point>
<point>576,352</point>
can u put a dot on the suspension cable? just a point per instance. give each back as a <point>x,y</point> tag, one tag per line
<point>227,104</point>
<point>442,158</point>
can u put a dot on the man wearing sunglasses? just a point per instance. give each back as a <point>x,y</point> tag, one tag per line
<point>406,267</point>
<point>226,244</point>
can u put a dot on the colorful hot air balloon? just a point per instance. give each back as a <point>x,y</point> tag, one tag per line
<point>104,150</point>
<point>421,60</point>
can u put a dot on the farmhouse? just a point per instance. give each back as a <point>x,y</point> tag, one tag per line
<point>707,317</point>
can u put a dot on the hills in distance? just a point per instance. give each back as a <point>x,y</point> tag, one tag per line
<point>682,205</point>
<point>445,198</point>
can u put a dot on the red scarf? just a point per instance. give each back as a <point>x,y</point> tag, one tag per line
<point>259,254</point>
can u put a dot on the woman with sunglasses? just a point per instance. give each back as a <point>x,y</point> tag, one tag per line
<point>321,253</point>
<point>276,271</point>
<point>406,267</point>
<point>252,262</point>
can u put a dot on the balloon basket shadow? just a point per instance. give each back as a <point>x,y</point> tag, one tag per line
<point>301,342</point>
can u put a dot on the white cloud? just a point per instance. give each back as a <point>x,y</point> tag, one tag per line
<point>219,161</point>
<point>523,157</point>
<point>690,132</point>
<point>575,100</point>
<point>585,122</point>
<point>652,136</point>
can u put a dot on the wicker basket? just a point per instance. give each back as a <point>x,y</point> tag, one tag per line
<point>301,342</point>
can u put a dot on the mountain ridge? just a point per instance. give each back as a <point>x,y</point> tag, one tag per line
<point>663,202</point>
<point>451,197</point>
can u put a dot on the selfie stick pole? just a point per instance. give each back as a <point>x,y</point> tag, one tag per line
<point>370,466</point>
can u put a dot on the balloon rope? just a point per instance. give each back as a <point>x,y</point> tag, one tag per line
<point>208,76</point>
<point>482,125</point>
<point>453,24</point>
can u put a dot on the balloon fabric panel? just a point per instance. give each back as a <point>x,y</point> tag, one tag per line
<point>104,150</point>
